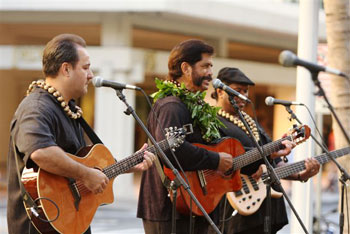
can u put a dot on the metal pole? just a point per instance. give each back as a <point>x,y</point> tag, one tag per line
<point>307,49</point>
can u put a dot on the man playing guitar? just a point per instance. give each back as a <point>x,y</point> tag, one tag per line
<point>238,81</point>
<point>45,127</point>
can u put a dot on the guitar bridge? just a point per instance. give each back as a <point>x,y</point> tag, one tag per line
<point>75,192</point>
<point>202,181</point>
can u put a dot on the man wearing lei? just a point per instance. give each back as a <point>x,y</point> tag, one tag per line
<point>45,127</point>
<point>179,101</point>
<point>254,223</point>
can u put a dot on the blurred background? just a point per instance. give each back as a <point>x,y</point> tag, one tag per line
<point>129,42</point>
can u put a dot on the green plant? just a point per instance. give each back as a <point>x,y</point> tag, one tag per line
<point>204,116</point>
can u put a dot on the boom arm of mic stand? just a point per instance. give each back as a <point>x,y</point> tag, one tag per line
<point>271,171</point>
<point>179,178</point>
<point>314,76</point>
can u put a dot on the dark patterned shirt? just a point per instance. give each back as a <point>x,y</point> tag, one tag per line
<point>39,122</point>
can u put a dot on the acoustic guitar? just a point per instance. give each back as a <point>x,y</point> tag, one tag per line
<point>210,185</point>
<point>65,205</point>
<point>249,199</point>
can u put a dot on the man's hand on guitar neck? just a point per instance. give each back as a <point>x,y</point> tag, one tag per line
<point>225,162</point>
<point>146,163</point>
<point>312,167</point>
<point>289,145</point>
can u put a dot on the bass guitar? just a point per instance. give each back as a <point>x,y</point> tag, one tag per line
<point>65,205</point>
<point>210,185</point>
<point>249,199</point>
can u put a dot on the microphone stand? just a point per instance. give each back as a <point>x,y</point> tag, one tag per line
<point>178,180</point>
<point>273,178</point>
<point>343,177</point>
<point>314,76</point>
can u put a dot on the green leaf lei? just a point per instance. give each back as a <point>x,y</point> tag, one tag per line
<point>203,115</point>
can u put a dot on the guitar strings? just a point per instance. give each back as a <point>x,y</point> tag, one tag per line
<point>113,170</point>
<point>250,156</point>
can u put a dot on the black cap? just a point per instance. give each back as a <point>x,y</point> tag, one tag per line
<point>231,75</point>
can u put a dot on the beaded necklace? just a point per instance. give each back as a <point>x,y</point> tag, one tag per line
<point>238,122</point>
<point>58,96</point>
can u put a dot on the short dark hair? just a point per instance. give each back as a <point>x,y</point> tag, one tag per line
<point>62,48</point>
<point>189,51</point>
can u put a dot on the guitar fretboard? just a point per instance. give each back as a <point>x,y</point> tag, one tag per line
<point>129,162</point>
<point>254,154</point>
<point>293,168</point>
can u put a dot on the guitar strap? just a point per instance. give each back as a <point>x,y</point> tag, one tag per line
<point>91,134</point>
<point>165,180</point>
<point>27,199</point>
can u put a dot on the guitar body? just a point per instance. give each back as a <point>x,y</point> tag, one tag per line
<point>66,205</point>
<point>249,199</point>
<point>45,185</point>
<point>217,184</point>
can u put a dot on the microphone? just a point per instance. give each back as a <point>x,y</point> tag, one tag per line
<point>270,101</point>
<point>99,82</point>
<point>219,85</point>
<point>289,59</point>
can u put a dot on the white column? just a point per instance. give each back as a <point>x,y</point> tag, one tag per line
<point>114,127</point>
<point>302,196</point>
<point>116,30</point>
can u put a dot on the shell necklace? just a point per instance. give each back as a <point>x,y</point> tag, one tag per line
<point>236,121</point>
<point>58,96</point>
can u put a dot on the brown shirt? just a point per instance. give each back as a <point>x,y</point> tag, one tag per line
<point>154,203</point>
<point>39,122</point>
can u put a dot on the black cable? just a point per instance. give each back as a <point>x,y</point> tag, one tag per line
<point>317,130</point>
<point>38,216</point>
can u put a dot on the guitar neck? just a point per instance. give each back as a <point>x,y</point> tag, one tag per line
<point>293,168</point>
<point>129,162</point>
<point>254,154</point>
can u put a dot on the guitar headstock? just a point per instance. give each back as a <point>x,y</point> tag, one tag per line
<point>300,133</point>
<point>176,136</point>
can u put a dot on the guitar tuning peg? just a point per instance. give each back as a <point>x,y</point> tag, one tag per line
<point>171,129</point>
<point>166,129</point>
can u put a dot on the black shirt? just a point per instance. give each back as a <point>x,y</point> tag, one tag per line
<point>39,122</point>
<point>240,223</point>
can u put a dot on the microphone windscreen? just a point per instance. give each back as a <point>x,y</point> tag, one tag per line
<point>287,58</point>
<point>269,101</point>
<point>216,83</point>
<point>97,81</point>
